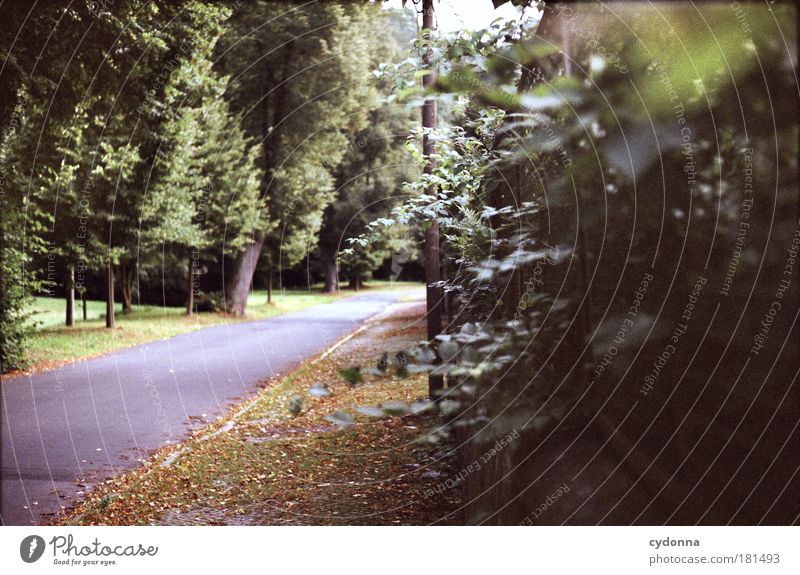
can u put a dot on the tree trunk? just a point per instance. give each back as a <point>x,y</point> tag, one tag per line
<point>127,289</point>
<point>239,289</point>
<point>110,296</point>
<point>190,294</point>
<point>272,136</point>
<point>83,304</point>
<point>70,296</point>
<point>432,272</point>
<point>331,272</point>
<point>355,282</point>
<point>269,285</point>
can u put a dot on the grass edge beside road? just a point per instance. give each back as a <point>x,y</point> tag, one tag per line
<point>261,465</point>
<point>57,345</point>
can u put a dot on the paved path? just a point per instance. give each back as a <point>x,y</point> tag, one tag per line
<point>97,418</point>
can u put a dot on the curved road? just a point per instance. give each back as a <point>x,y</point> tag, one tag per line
<point>93,419</point>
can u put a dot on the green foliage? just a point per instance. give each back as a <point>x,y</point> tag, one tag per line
<point>13,295</point>
<point>124,149</point>
<point>22,226</point>
<point>559,186</point>
<point>374,167</point>
<point>299,79</point>
<point>205,190</point>
<point>351,375</point>
<point>295,405</point>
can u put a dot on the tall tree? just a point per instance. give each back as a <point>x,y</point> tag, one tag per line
<point>205,181</point>
<point>368,181</point>
<point>374,166</point>
<point>298,73</point>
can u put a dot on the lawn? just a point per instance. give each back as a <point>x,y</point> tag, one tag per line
<point>53,344</point>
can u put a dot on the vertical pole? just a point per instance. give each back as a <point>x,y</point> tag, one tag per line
<point>797,119</point>
<point>110,296</point>
<point>432,272</point>
<point>70,296</point>
<point>190,295</point>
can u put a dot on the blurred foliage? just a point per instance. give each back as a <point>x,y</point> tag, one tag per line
<point>595,146</point>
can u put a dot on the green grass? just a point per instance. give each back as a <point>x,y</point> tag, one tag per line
<point>50,312</point>
<point>53,343</point>
<point>372,285</point>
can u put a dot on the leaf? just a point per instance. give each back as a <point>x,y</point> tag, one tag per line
<point>371,411</point>
<point>420,406</point>
<point>352,375</point>
<point>319,390</point>
<point>295,405</point>
<point>340,418</point>
<point>395,407</point>
<point>448,350</point>
<point>424,355</point>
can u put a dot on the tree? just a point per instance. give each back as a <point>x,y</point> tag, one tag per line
<point>372,170</point>
<point>298,72</point>
<point>205,190</point>
<point>368,182</point>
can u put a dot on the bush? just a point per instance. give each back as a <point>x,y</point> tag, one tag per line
<point>212,301</point>
<point>12,306</point>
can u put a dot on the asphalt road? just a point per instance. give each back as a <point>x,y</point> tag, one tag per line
<point>94,419</point>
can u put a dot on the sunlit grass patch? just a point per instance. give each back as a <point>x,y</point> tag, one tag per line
<point>53,343</point>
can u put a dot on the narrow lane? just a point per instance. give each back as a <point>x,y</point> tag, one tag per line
<point>97,418</point>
